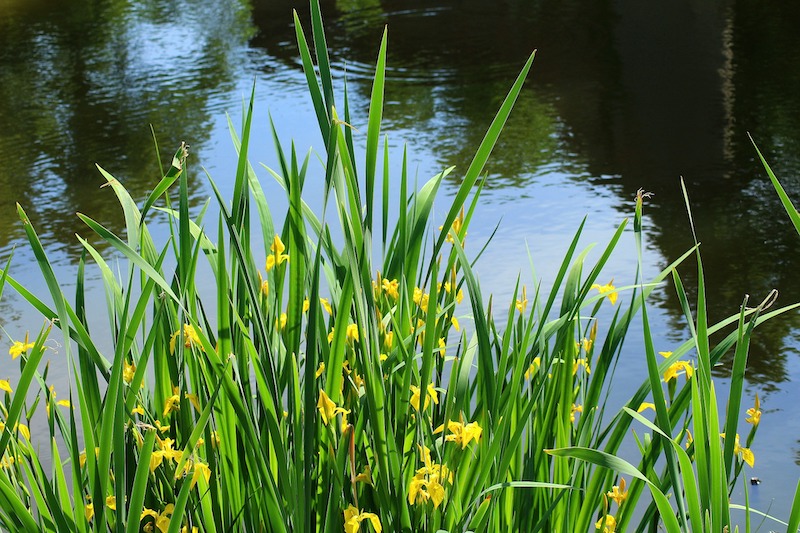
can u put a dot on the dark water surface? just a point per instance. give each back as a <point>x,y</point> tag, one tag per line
<point>624,94</point>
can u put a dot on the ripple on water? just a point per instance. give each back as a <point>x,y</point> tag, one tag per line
<point>432,45</point>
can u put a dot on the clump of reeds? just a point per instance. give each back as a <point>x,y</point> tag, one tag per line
<point>332,389</point>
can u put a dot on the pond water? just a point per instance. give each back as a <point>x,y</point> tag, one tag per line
<point>623,95</point>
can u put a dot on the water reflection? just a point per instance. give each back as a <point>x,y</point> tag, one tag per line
<point>623,94</point>
<point>708,96</point>
<point>81,82</point>
<point>628,94</point>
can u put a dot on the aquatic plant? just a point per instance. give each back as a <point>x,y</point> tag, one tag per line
<point>333,387</point>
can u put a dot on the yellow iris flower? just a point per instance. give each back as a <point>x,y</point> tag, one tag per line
<point>352,332</point>
<point>745,453</point>
<point>678,368</point>
<point>166,452</point>
<point>537,362</point>
<point>618,492</point>
<point>353,518</point>
<point>423,488</point>
<point>22,428</point>
<point>128,371</point>
<point>421,299</point>
<point>578,363</point>
<point>326,305</point>
<point>457,224</point>
<point>607,524</point>
<point>173,403</point>
<point>190,338</point>
<point>200,470</point>
<point>608,290</point>
<point>61,403</point>
<point>574,409</point>
<point>427,482</point>
<point>82,456</point>
<point>448,287</point>
<point>264,286</point>
<point>161,519</point>
<point>327,409</point>
<point>391,288</point>
<point>646,405</point>
<point>19,348</point>
<point>365,476</point>
<point>431,395</point>
<point>754,413</point>
<point>586,344</point>
<point>460,433</point>
<point>277,256</point>
<point>522,304</point>
<point>388,339</point>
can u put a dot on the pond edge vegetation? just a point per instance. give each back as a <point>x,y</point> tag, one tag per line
<point>336,388</point>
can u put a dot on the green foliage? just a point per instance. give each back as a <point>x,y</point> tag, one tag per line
<point>336,390</point>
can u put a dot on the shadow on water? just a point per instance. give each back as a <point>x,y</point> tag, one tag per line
<point>81,83</point>
<point>450,64</point>
<point>623,95</point>
<point>689,115</point>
